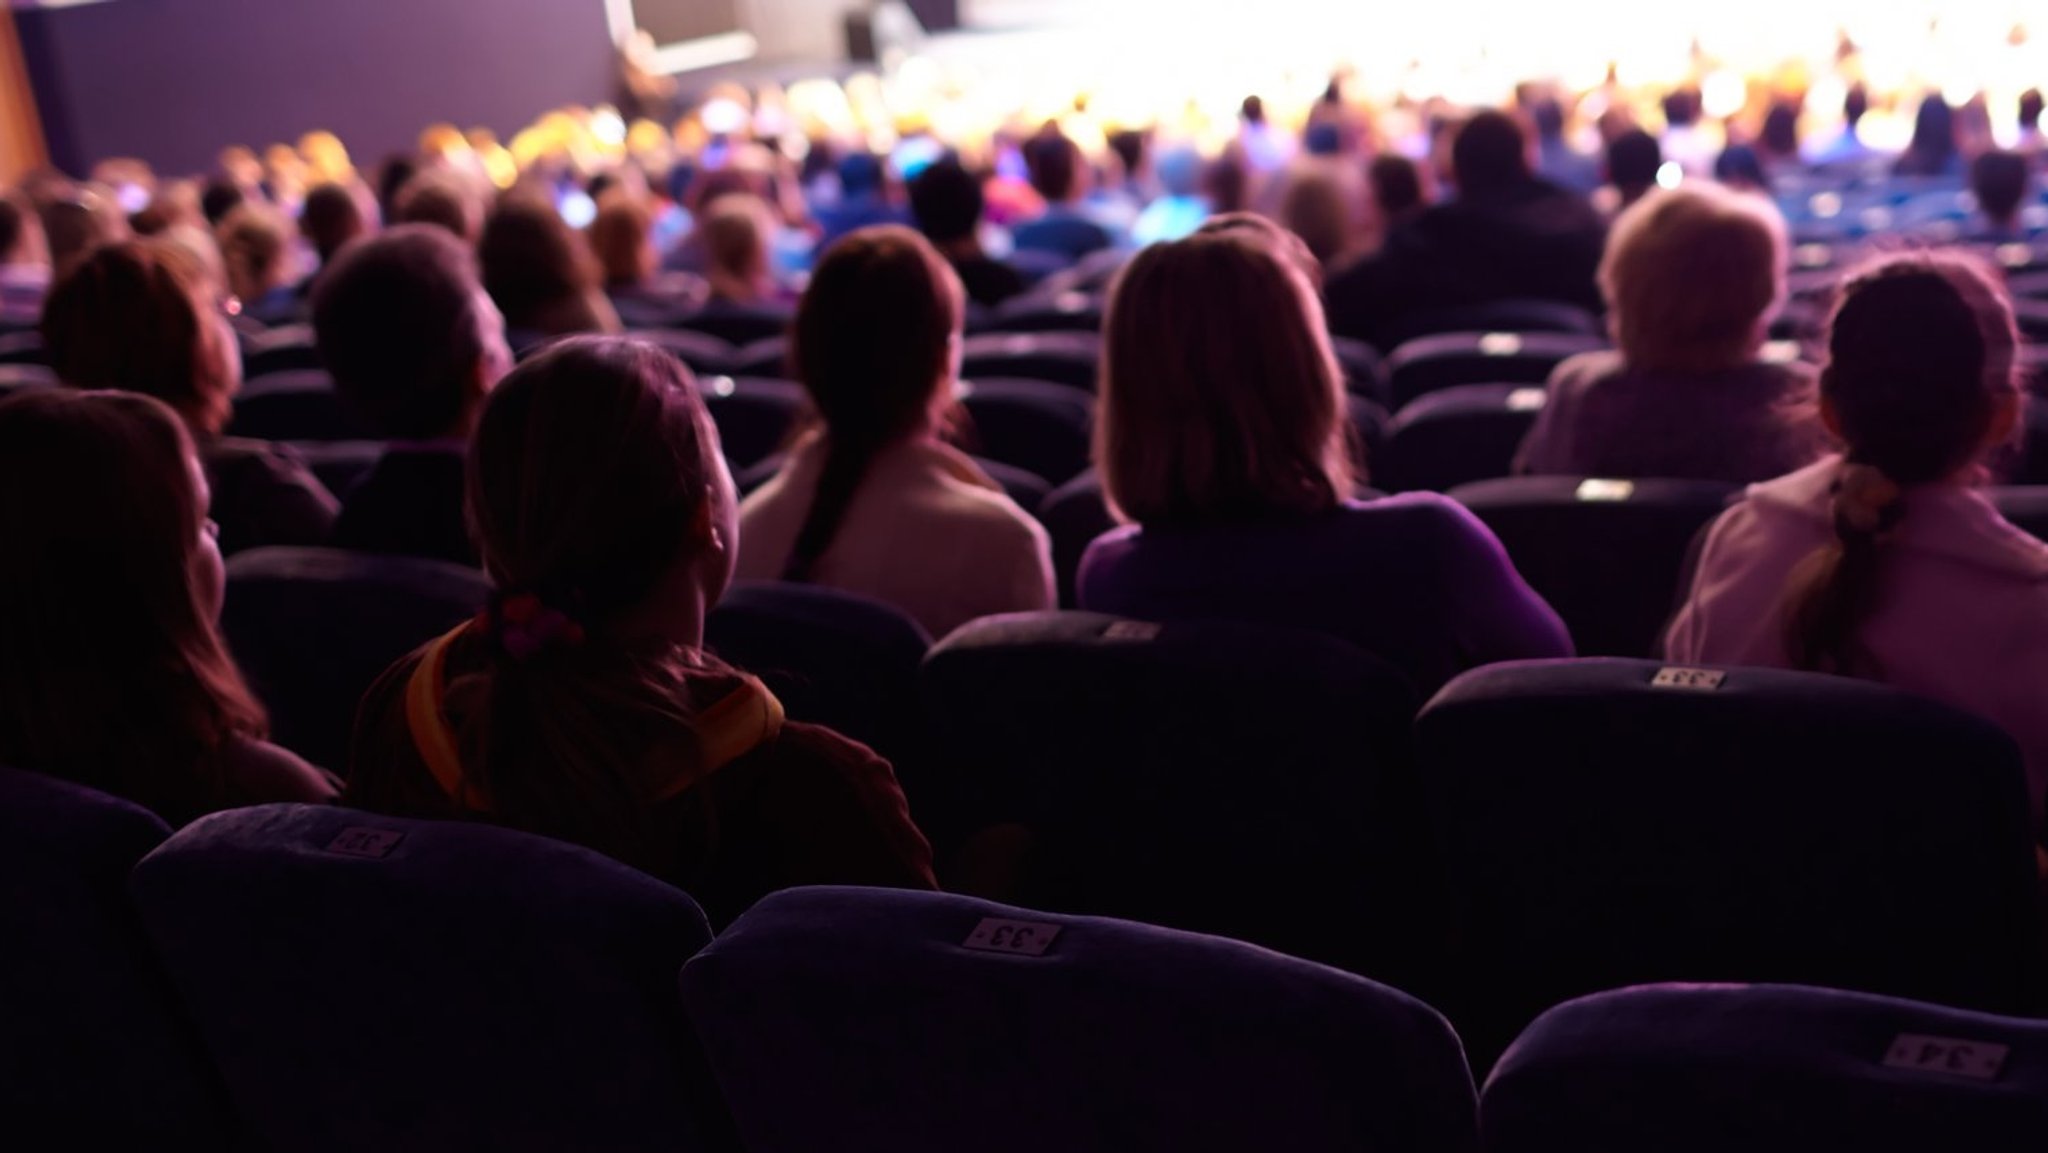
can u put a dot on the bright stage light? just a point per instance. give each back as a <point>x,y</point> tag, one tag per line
<point>1670,174</point>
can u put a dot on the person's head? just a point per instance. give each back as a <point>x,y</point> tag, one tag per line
<point>1227,181</point>
<point>79,223</point>
<point>947,202</point>
<point>1546,116</point>
<point>1180,170</point>
<point>405,328</point>
<point>875,345</point>
<point>1398,187</point>
<point>1633,159</point>
<point>1058,170</point>
<point>441,197</point>
<point>2001,182</point>
<point>2032,105</point>
<point>139,316</point>
<point>1489,154</point>
<point>860,174</point>
<point>1780,135</point>
<point>1322,207</point>
<point>254,242</point>
<point>111,669</point>
<point>601,506</point>
<point>1253,110</point>
<point>734,234</point>
<point>622,238</point>
<point>1130,147</point>
<point>220,197</point>
<point>1934,129</point>
<point>393,175</point>
<point>1682,107</point>
<point>532,260</point>
<point>1691,278</point>
<point>1919,386</point>
<point>1739,167</point>
<point>332,217</point>
<point>21,233</point>
<point>1221,399</point>
<point>1855,105</point>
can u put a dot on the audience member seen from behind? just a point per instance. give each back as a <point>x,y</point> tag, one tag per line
<point>334,217</point>
<point>622,238</point>
<point>1323,202</point>
<point>77,224</point>
<point>1059,174</point>
<point>734,235</point>
<point>863,199</point>
<point>1634,160</point>
<point>112,671</point>
<point>255,247</point>
<point>581,705</point>
<point>140,316</point>
<point>2003,185</point>
<point>1506,235</point>
<point>1933,150</point>
<point>1883,561</point>
<point>414,345</point>
<point>873,501</point>
<point>442,197</point>
<point>24,264</point>
<point>1222,441</point>
<point>947,201</point>
<point>1692,277</point>
<point>540,272</point>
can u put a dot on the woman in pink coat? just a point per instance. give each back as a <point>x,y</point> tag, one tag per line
<point>1883,561</point>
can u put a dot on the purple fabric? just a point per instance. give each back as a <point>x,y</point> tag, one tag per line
<point>1605,419</point>
<point>1415,580</point>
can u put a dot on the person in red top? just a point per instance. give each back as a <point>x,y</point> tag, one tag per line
<point>580,705</point>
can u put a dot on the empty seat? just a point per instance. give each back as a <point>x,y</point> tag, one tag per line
<point>1607,554</point>
<point>314,628</point>
<point>1458,436</point>
<point>1215,777</point>
<point>1062,312</point>
<point>1432,363</point>
<point>94,1051</point>
<point>1608,823</point>
<point>1501,316</point>
<point>365,982</point>
<point>22,348</point>
<point>287,348</point>
<point>1768,1069</point>
<point>1068,358</point>
<point>832,658</point>
<point>755,417</point>
<point>297,405</point>
<point>764,358</point>
<point>739,324</point>
<point>867,1020</point>
<point>340,464</point>
<point>1074,515</point>
<point>14,377</point>
<point>1037,426</point>
<point>705,354</point>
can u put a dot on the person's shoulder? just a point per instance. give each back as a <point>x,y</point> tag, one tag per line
<point>262,773</point>
<point>1587,370</point>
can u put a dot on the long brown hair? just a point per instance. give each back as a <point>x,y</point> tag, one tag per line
<point>136,316</point>
<point>873,346</point>
<point>112,672</point>
<point>591,466</point>
<point>1921,353</point>
<point>1221,398</point>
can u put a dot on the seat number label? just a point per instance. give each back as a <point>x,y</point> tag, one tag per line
<point>1027,938</point>
<point>1978,1060</point>
<point>1692,680</point>
<point>358,841</point>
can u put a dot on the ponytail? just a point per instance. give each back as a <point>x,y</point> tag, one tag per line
<point>847,460</point>
<point>1835,590</point>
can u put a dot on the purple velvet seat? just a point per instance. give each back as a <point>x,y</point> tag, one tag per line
<point>365,982</point>
<point>1768,1069</point>
<point>861,1020</point>
<point>1431,363</point>
<point>95,1053</point>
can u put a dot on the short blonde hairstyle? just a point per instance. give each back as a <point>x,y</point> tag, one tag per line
<point>1691,277</point>
<point>735,234</point>
<point>1221,399</point>
<point>254,241</point>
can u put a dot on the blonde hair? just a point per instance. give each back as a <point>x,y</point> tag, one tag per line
<point>1691,276</point>
<point>253,241</point>
<point>1221,399</point>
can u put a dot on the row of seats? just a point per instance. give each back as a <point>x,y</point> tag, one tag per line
<point>1270,785</point>
<point>315,979</point>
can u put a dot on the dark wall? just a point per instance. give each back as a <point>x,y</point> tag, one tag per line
<point>174,81</point>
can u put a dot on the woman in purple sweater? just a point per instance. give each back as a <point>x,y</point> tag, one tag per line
<point>1222,440</point>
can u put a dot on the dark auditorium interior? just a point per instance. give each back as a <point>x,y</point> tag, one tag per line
<point>996,576</point>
